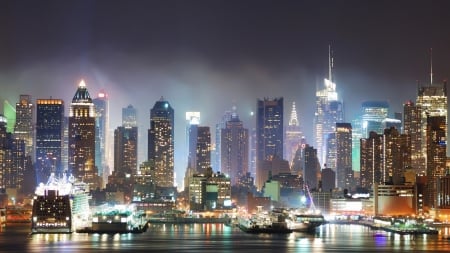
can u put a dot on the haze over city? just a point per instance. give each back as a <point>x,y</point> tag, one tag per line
<point>209,56</point>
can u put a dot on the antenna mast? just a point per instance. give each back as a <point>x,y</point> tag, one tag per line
<point>431,66</point>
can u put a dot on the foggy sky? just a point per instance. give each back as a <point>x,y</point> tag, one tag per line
<point>210,55</point>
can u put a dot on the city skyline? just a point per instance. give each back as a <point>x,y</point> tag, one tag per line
<point>209,56</point>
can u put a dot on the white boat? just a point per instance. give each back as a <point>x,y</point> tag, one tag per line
<point>304,222</point>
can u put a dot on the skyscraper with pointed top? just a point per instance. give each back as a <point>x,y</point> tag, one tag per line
<point>329,111</point>
<point>82,137</point>
<point>161,142</point>
<point>293,137</point>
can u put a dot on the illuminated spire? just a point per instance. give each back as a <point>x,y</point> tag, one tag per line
<point>82,94</point>
<point>293,121</point>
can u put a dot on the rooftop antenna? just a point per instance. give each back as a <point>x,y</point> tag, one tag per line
<point>431,66</point>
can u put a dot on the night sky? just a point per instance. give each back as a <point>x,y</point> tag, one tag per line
<point>210,55</point>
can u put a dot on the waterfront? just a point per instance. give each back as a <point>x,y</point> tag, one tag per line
<point>221,238</point>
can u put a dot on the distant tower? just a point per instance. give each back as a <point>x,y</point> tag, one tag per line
<point>293,137</point>
<point>235,149</point>
<point>23,128</point>
<point>218,146</point>
<point>203,161</point>
<point>269,134</point>
<point>161,142</point>
<point>49,138</point>
<point>82,137</point>
<point>329,111</point>
<point>129,116</point>
<point>373,115</point>
<point>125,150</point>
<point>192,120</point>
<point>101,105</point>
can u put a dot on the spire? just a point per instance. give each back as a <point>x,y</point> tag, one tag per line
<point>293,121</point>
<point>82,94</point>
<point>431,66</point>
<point>330,64</point>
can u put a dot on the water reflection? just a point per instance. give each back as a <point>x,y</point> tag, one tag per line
<point>221,238</point>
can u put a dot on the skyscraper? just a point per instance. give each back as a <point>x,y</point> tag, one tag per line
<point>101,105</point>
<point>412,127</point>
<point>431,101</point>
<point>161,142</point>
<point>343,154</point>
<point>49,138</point>
<point>329,111</point>
<point>436,156</point>
<point>293,137</point>
<point>192,120</point>
<point>269,133</point>
<point>82,137</point>
<point>234,149</point>
<point>125,150</point>
<point>23,129</point>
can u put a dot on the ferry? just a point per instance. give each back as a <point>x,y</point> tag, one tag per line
<point>300,221</point>
<point>117,219</point>
<point>264,222</point>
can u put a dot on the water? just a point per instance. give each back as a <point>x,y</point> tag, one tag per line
<point>221,238</point>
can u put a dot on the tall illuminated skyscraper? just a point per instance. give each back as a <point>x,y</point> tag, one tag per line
<point>329,111</point>
<point>432,100</point>
<point>269,134</point>
<point>161,142</point>
<point>235,149</point>
<point>343,155</point>
<point>49,138</point>
<point>101,105</point>
<point>412,126</point>
<point>23,129</point>
<point>293,137</point>
<point>82,137</point>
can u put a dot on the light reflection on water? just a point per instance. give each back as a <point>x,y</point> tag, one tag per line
<point>221,238</point>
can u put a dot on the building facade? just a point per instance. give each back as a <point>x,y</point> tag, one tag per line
<point>49,138</point>
<point>234,149</point>
<point>161,142</point>
<point>269,133</point>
